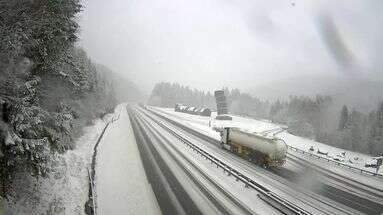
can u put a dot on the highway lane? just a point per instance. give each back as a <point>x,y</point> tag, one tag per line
<point>316,203</point>
<point>240,192</point>
<point>159,176</point>
<point>180,188</point>
<point>336,193</point>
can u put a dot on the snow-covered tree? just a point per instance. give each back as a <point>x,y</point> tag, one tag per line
<point>343,118</point>
<point>376,138</point>
<point>49,89</point>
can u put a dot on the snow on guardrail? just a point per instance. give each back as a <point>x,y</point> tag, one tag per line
<point>336,162</point>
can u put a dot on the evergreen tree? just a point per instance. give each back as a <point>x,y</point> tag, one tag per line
<point>377,132</point>
<point>49,89</point>
<point>356,131</point>
<point>343,118</point>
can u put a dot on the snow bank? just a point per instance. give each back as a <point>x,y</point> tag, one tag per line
<point>121,183</point>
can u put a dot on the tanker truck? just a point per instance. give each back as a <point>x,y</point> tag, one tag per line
<point>263,150</point>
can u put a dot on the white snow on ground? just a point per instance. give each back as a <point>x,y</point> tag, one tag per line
<point>201,123</point>
<point>121,183</point>
<point>65,190</point>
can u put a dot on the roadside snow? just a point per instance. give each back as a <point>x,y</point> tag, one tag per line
<point>121,183</point>
<point>65,190</point>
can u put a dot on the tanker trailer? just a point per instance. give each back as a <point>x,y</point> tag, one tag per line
<point>262,150</point>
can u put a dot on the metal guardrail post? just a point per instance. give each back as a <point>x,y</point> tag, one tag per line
<point>93,193</point>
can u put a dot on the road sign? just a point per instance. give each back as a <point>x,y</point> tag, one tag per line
<point>220,99</point>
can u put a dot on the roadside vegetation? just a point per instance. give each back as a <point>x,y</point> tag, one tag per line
<point>49,88</point>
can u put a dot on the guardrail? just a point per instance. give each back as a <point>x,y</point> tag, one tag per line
<point>92,194</point>
<point>335,162</point>
<point>92,171</point>
<point>266,195</point>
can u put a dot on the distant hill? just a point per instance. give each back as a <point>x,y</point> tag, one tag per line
<point>361,94</point>
<point>125,89</point>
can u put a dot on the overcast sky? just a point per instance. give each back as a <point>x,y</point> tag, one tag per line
<point>236,43</point>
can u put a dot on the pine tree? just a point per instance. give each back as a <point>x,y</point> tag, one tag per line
<point>343,118</point>
<point>55,91</point>
<point>377,132</point>
<point>356,130</point>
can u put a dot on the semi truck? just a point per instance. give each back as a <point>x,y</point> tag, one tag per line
<point>267,151</point>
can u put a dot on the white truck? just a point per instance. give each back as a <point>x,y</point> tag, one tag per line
<point>263,150</point>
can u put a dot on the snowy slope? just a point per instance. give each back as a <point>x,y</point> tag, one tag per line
<point>121,183</point>
<point>65,190</point>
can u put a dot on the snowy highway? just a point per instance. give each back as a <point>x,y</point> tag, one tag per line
<point>360,192</point>
<point>182,186</point>
<point>191,107</point>
<point>185,181</point>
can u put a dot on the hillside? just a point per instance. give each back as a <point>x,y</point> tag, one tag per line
<point>125,89</point>
<point>361,94</point>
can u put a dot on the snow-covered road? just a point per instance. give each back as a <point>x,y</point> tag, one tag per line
<point>123,187</point>
<point>189,122</point>
<point>207,187</point>
<point>121,183</point>
<point>282,187</point>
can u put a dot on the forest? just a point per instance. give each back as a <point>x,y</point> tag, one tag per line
<point>49,87</point>
<point>317,117</point>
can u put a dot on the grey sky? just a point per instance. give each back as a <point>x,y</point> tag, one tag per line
<point>236,43</point>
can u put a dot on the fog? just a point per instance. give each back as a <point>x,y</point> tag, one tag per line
<point>243,44</point>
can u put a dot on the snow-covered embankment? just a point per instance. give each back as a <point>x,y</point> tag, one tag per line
<point>65,189</point>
